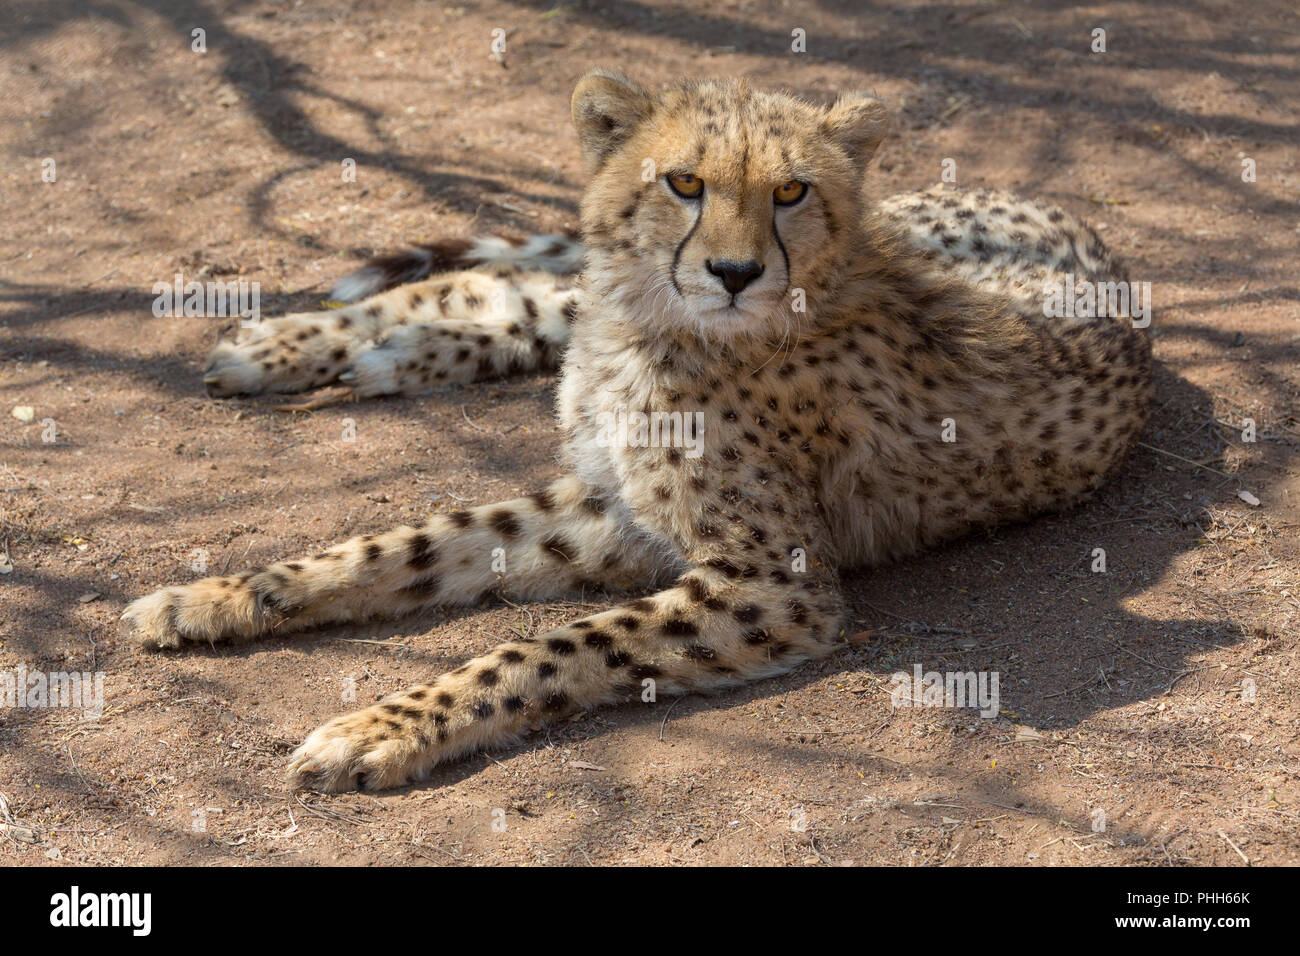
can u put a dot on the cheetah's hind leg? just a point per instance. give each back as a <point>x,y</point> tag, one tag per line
<point>506,309</point>
<point>449,330</point>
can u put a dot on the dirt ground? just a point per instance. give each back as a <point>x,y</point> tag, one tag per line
<point>1159,697</point>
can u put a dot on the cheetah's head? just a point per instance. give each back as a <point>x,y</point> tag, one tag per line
<point>716,209</point>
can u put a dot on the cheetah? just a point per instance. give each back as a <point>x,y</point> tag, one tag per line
<point>869,377</point>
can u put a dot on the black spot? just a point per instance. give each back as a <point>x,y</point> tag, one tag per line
<point>423,588</point>
<point>488,677</point>
<point>748,614</point>
<point>725,566</point>
<point>561,646</point>
<point>514,704</point>
<point>422,551</point>
<point>483,710</point>
<point>598,639</point>
<point>506,522</point>
<point>677,627</point>
<point>616,659</point>
<point>557,546</point>
<point>546,670</point>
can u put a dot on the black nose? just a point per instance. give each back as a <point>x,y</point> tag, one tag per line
<point>734,275</point>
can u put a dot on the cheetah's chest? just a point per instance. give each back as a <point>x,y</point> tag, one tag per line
<point>720,463</point>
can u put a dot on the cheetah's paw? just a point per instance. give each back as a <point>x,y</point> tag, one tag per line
<point>289,354</point>
<point>213,609</point>
<point>358,751</point>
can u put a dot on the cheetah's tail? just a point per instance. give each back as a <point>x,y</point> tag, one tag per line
<point>559,254</point>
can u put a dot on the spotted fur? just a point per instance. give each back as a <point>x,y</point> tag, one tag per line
<point>864,335</point>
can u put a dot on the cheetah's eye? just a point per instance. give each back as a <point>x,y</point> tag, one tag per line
<point>789,193</point>
<point>686,185</point>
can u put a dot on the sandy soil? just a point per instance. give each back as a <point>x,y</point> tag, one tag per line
<point>1122,692</point>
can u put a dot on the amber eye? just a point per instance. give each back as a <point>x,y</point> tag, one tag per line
<point>789,193</point>
<point>686,185</point>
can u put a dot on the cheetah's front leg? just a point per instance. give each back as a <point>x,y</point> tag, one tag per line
<point>704,634</point>
<point>547,545</point>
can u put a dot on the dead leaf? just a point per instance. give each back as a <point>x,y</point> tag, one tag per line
<point>583,765</point>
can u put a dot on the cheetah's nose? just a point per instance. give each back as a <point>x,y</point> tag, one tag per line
<point>734,275</point>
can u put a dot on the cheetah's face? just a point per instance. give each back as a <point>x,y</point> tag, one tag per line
<point>715,209</point>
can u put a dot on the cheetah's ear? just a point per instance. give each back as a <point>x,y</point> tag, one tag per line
<point>858,123</point>
<point>607,107</point>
